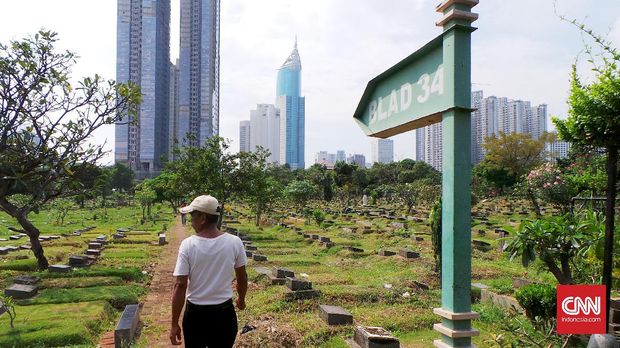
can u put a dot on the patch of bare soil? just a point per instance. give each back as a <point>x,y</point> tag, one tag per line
<point>268,333</point>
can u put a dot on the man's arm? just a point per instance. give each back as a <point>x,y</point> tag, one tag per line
<point>178,300</point>
<point>242,286</point>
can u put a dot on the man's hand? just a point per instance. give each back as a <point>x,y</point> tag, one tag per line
<point>240,303</point>
<point>175,334</point>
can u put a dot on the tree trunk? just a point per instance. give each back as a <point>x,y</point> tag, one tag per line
<point>221,218</point>
<point>530,195</point>
<point>33,233</point>
<point>612,158</point>
<point>259,211</point>
<point>557,273</point>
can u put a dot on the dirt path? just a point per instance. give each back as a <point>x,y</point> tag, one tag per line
<point>155,312</point>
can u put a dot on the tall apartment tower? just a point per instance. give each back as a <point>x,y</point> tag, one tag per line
<point>245,131</point>
<point>491,116</point>
<point>292,112</point>
<point>382,151</point>
<point>174,108</point>
<point>143,57</point>
<point>265,130</point>
<point>199,72</point>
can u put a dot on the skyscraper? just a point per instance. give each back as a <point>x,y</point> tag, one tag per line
<point>174,108</point>
<point>143,57</point>
<point>199,72</point>
<point>292,112</point>
<point>382,151</point>
<point>245,132</point>
<point>265,130</point>
<point>492,116</point>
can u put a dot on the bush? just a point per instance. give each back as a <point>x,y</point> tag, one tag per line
<point>538,300</point>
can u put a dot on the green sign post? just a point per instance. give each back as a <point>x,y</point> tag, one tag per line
<point>434,85</point>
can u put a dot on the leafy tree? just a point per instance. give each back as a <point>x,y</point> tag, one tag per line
<point>490,179</point>
<point>45,124</point>
<point>168,187</point>
<point>319,216</point>
<point>516,153</point>
<point>300,192</point>
<point>435,222</point>
<point>121,177</point>
<point>60,209</point>
<point>556,240</point>
<point>261,189</point>
<point>146,195</point>
<point>594,120</point>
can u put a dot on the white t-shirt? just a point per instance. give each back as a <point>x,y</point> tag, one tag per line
<point>210,264</point>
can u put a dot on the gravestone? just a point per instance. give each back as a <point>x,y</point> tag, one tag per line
<point>21,291</point>
<point>12,248</point>
<point>419,239</point>
<point>248,254</point>
<point>4,250</point>
<point>420,285</point>
<point>296,284</point>
<point>328,244</point>
<point>162,239</point>
<point>94,252</point>
<point>281,272</point>
<point>251,247</point>
<point>15,237</point>
<point>408,254</point>
<point>59,268</point>
<point>93,245</point>
<point>26,279</point>
<point>324,239</point>
<point>374,337</point>
<point>25,247</point>
<point>386,253</point>
<point>127,325</point>
<point>481,245</point>
<point>79,261</point>
<point>301,295</point>
<point>257,257</point>
<point>400,225</point>
<point>314,236</point>
<point>355,249</point>
<point>334,315</point>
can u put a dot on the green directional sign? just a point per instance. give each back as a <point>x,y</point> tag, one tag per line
<point>409,95</point>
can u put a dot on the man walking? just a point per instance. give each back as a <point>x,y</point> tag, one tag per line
<point>204,275</point>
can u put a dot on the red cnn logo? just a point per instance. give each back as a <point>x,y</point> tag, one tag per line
<point>581,309</point>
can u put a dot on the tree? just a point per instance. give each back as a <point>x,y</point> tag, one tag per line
<point>300,192</point>
<point>209,169</point>
<point>168,188</point>
<point>121,177</point>
<point>516,153</point>
<point>146,195</point>
<point>556,240</point>
<point>61,208</point>
<point>45,124</point>
<point>594,120</point>
<point>259,188</point>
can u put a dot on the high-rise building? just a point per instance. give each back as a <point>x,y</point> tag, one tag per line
<point>358,159</point>
<point>265,130</point>
<point>491,116</point>
<point>340,156</point>
<point>143,57</point>
<point>245,131</point>
<point>382,151</point>
<point>557,149</point>
<point>199,72</point>
<point>292,112</point>
<point>173,114</point>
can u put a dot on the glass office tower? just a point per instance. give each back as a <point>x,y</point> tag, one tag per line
<point>292,111</point>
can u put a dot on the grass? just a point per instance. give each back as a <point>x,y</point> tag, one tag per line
<point>117,296</point>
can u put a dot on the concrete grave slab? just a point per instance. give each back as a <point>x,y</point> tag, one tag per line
<point>21,291</point>
<point>386,253</point>
<point>296,284</point>
<point>408,254</point>
<point>25,279</point>
<point>334,315</point>
<point>374,337</point>
<point>301,295</point>
<point>59,268</point>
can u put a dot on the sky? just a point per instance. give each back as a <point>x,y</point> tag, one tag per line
<point>521,50</point>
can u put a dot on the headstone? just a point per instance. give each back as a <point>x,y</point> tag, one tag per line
<point>420,285</point>
<point>94,252</point>
<point>419,239</point>
<point>4,250</point>
<point>25,247</point>
<point>365,200</point>
<point>162,239</point>
<point>78,261</point>
<point>26,279</point>
<point>251,247</point>
<point>12,248</point>
<point>408,254</point>
<point>386,253</point>
<point>481,245</point>
<point>314,236</point>
<point>59,268</point>
<point>21,291</point>
<point>93,245</point>
<point>324,239</point>
<point>280,272</point>
<point>334,315</point>
<point>328,244</point>
<point>15,237</point>
<point>257,257</point>
<point>374,337</point>
<point>248,254</point>
<point>398,225</point>
<point>355,249</point>
<point>127,325</point>
<point>301,295</point>
<point>296,284</point>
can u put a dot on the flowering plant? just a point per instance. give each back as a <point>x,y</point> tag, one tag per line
<point>553,185</point>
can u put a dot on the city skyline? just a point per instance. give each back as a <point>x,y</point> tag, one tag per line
<point>344,45</point>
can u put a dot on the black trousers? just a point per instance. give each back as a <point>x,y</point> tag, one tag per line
<point>212,326</point>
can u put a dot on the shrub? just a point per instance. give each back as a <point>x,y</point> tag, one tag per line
<point>538,300</point>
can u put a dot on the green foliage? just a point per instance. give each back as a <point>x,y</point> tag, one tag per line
<point>538,300</point>
<point>556,240</point>
<point>552,185</point>
<point>44,157</point>
<point>319,216</point>
<point>8,305</point>
<point>126,273</point>
<point>117,296</point>
<point>300,192</point>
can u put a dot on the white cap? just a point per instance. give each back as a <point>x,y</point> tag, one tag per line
<point>205,204</point>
